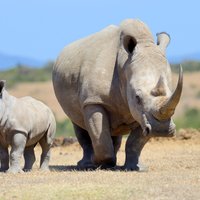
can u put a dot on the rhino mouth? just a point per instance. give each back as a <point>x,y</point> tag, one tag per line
<point>155,128</point>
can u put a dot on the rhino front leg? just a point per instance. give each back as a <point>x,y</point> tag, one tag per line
<point>97,123</point>
<point>17,149</point>
<point>86,144</point>
<point>134,146</point>
<point>29,157</point>
<point>4,158</point>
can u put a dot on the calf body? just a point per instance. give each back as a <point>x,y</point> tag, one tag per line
<point>23,123</point>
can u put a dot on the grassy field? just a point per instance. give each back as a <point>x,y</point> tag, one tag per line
<point>174,173</point>
<point>174,164</point>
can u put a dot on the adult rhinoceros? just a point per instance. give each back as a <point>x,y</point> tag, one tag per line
<point>114,82</point>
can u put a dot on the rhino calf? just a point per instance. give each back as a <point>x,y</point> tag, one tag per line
<point>23,123</point>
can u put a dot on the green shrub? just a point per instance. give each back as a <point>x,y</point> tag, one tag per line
<point>65,128</point>
<point>191,119</point>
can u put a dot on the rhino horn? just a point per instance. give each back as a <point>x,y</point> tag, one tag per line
<point>159,90</point>
<point>168,108</point>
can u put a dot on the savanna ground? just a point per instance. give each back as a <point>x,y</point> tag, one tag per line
<point>174,164</point>
<point>173,173</point>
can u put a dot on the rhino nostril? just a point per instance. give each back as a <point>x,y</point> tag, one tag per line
<point>147,130</point>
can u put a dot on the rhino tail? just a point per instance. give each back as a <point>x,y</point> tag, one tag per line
<point>51,131</point>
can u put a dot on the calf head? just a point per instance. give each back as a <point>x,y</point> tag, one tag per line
<point>2,105</point>
<point>145,77</point>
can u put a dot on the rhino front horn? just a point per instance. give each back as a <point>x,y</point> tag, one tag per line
<point>168,108</point>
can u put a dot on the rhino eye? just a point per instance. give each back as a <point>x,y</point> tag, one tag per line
<point>138,99</point>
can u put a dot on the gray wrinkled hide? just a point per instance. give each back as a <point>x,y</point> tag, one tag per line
<point>23,123</point>
<point>105,83</point>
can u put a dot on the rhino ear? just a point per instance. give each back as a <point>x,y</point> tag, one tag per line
<point>163,40</point>
<point>129,43</point>
<point>2,85</point>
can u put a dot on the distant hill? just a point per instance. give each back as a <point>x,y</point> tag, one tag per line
<point>9,61</point>
<point>183,58</point>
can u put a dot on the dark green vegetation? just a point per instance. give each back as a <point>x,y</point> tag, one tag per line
<point>23,73</point>
<point>188,66</point>
<point>191,119</point>
<point>65,128</point>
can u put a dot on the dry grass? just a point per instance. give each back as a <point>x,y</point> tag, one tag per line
<point>174,165</point>
<point>174,173</point>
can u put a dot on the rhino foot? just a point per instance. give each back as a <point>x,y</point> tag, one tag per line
<point>138,168</point>
<point>14,170</point>
<point>86,165</point>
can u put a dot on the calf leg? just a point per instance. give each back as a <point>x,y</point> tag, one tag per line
<point>4,158</point>
<point>86,144</point>
<point>98,126</point>
<point>29,157</point>
<point>17,149</point>
<point>134,146</point>
<point>45,156</point>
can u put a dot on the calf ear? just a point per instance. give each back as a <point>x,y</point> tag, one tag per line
<point>2,85</point>
<point>129,43</point>
<point>163,40</point>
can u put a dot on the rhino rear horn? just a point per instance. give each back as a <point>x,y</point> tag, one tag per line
<point>163,40</point>
<point>159,90</point>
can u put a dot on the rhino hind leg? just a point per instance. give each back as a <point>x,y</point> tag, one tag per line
<point>134,146</point>
<point>97,123</point>
<point>86,144</point>
<point>29,157</point>
<point>116,143</point>
<point>45,156</point>
<point>4,158</point>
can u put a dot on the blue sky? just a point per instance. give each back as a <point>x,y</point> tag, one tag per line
<point>41,28</point>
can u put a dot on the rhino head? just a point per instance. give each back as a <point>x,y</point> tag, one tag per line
<point>146,78</point>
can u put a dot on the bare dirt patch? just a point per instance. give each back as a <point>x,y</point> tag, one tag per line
<point>174,173</point>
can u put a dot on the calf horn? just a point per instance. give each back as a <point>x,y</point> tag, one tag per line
<point>168,108</point>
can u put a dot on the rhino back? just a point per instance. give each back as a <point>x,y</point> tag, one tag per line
<point>30,116</point>
<point>83,73</point>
